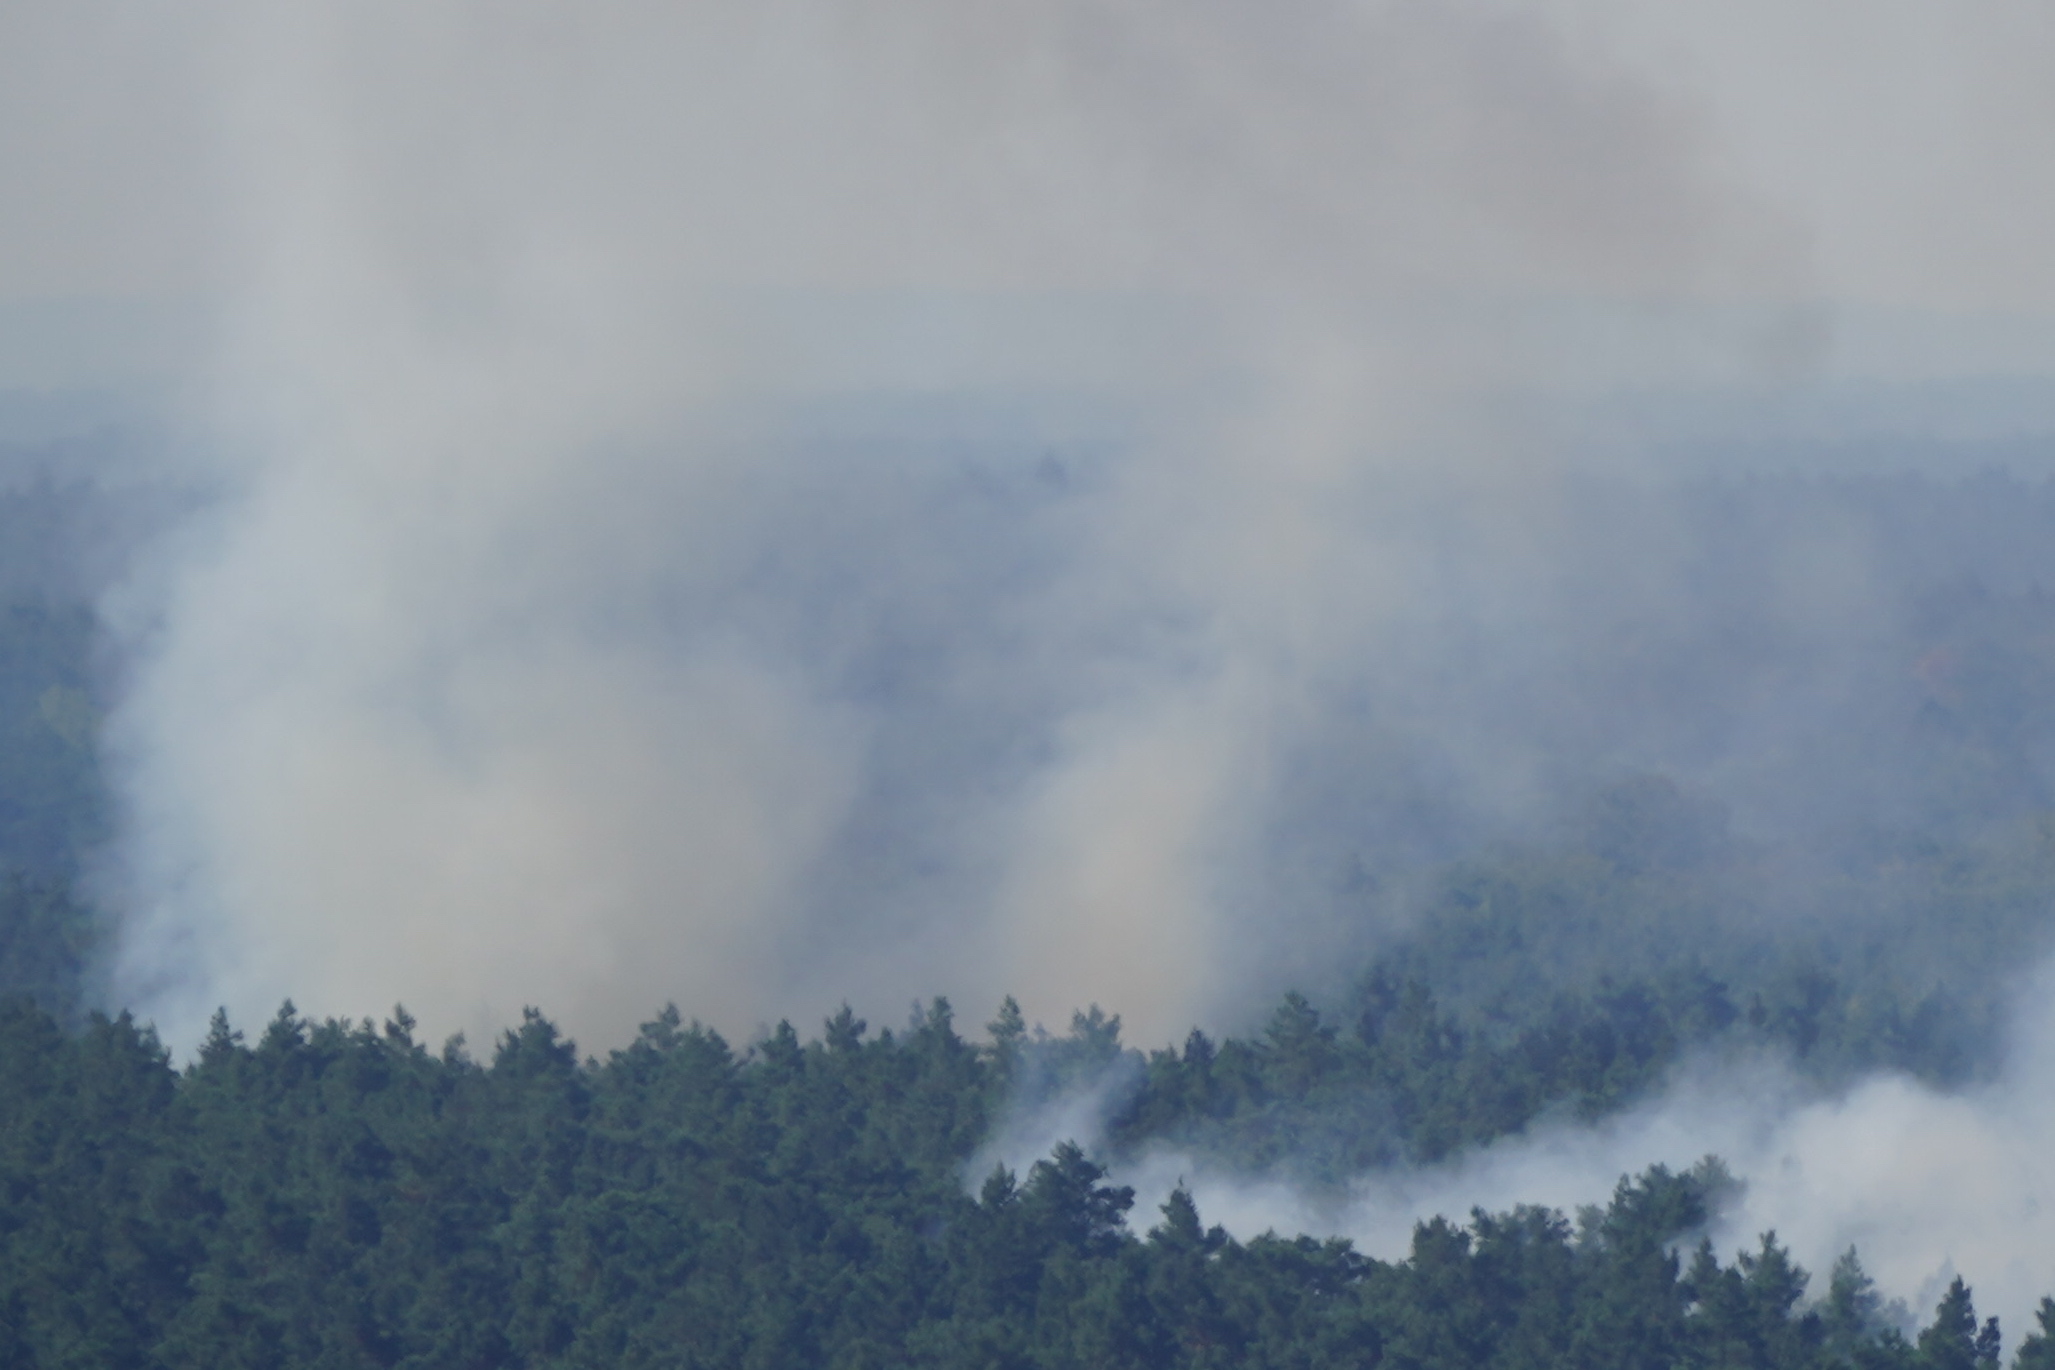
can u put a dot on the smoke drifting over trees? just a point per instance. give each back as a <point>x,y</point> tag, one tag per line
<point>1137,504</point>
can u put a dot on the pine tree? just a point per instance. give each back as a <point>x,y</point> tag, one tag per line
<point>2037,1351</point>
<point>1953,1341</point>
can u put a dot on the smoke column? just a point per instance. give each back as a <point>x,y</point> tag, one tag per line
<point>757,505</point>
<point>584,385</point>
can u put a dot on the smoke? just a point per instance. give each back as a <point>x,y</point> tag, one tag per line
<point>760,505</point>
<point>1925,1185</point>
<point>757,505</point>
<point>751,506</point>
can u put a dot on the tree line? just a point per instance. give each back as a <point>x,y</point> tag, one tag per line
<point>339,1195</point>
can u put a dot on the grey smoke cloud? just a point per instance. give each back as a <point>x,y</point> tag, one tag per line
<point>758,505</point>
<point>504,679</point>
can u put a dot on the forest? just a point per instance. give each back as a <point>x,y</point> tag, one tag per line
<point>338,1193</point>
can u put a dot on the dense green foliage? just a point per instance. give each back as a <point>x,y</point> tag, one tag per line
<point>338,1196</point>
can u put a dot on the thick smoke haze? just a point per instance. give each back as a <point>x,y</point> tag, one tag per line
<point>757,507</point>
<point>765,505</point>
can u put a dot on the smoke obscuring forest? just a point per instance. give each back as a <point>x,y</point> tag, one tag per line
<point>1426,606</point>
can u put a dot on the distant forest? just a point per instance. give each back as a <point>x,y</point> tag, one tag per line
<point>337,1194</point>
<point>54,806</point>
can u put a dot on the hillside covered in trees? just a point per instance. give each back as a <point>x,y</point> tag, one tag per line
<point>337,1195</point>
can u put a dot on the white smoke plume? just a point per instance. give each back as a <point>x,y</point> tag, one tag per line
<point>1925,1185</point>
<point>501,677</point>
<point>755,505</point>
<point>761,504</point>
